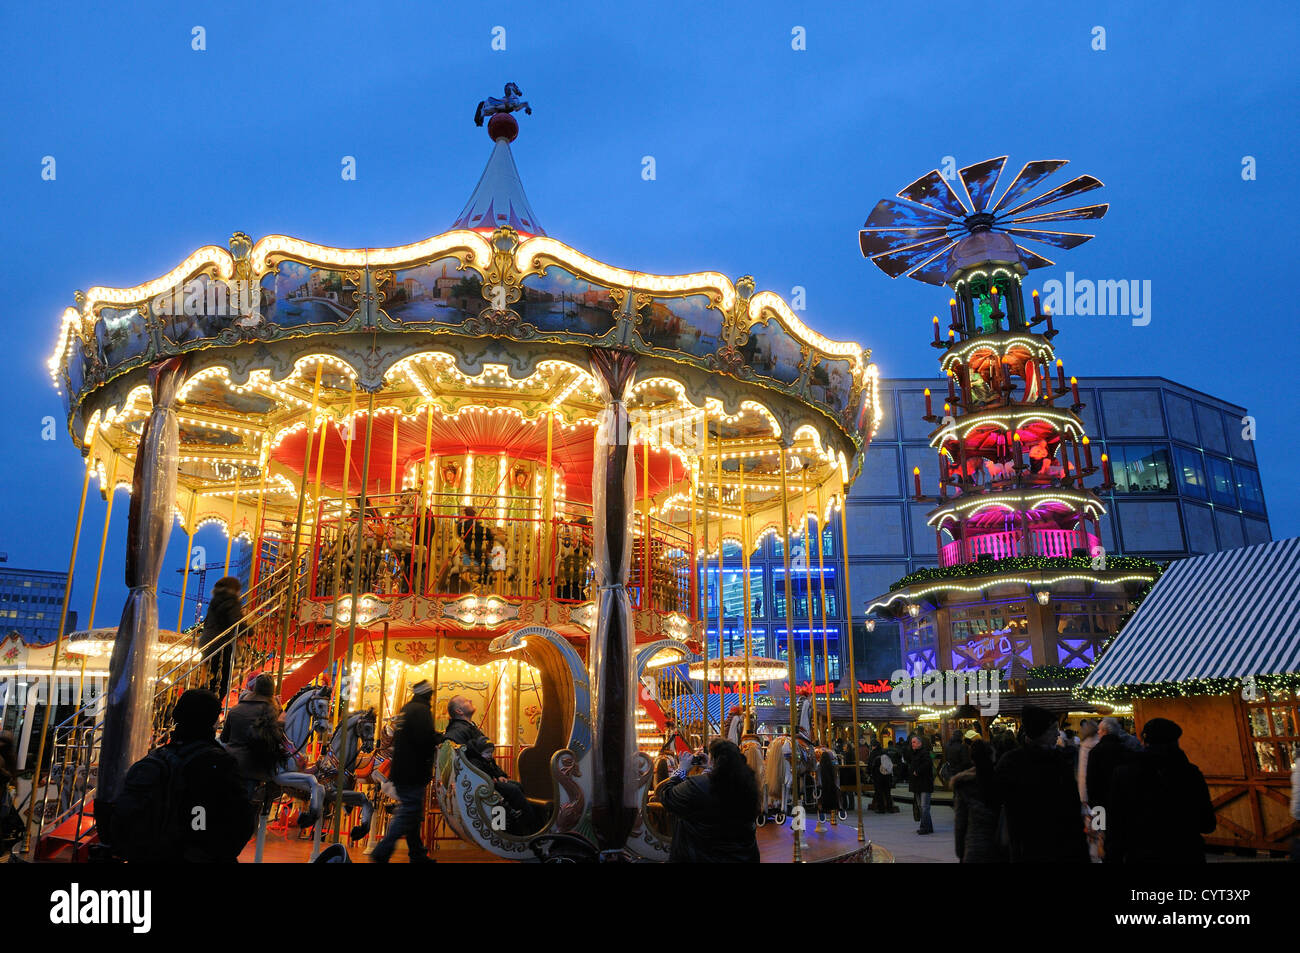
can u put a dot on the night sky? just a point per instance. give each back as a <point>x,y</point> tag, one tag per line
<point>768,159</point>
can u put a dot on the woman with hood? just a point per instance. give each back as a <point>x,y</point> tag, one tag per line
<point>222,622</point>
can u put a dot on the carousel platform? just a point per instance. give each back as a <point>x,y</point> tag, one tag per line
<point>837,844</point>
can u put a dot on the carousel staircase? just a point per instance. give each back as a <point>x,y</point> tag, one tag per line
<point>64,829</point>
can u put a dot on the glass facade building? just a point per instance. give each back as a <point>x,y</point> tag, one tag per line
<point>1186,482</point>
<point>31,602</point>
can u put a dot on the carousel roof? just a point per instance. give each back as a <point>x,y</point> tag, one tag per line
<point>499,197</point>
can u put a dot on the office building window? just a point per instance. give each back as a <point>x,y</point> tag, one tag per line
<point>1249,490</point>
<point>1191,475</point>
<point>1140,468</point>
<point>1223,488</point>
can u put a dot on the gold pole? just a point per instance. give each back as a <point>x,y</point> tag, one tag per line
<point>383,684</point>
<point>230,527</point>
<point>392,474</point>
<point>853,670</point>
<point>722,654</point>
<point>261,510</point>
<point>338,532</point>
<point>747,694</point>
<point>696,626</point>
<point>789,650</point>
<point>424,538</point>
<point>548,517</point>
<point>647,576</point>
<point>826,652</point>
<point>58,644</point>
<point>185,575</point>
<point>356,592</point>
<point>807,567</point>
<point>704,497</point>
<point>103,543</point>
<point>292,582</point>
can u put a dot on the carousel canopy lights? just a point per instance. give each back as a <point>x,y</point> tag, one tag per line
<point>733,669</point>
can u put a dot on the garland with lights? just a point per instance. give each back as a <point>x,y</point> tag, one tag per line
<point>1021,564</point>
<point>1264,684</point>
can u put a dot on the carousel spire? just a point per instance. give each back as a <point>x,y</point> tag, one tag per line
<point>499,197</point>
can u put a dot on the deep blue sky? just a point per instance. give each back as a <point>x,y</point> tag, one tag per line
<point>768,161</point>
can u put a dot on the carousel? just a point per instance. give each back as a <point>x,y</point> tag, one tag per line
<point>485,460</point>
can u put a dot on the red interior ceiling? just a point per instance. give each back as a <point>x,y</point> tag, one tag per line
<point>478,433</point>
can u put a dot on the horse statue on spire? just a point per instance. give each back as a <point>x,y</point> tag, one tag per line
<point>511,101</point>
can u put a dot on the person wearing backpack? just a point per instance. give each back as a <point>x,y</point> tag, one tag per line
<point>183,802</point>
<point>252,733</point>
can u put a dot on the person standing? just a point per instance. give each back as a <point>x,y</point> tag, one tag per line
<point>1110,752</point>
<point>252,734</point>
<point>1088,739</point>
<point>224,614</point>
<point>920,781</point>
<point>151,820</point>
<point>1040,796</point>
<point>415,743</point>
<point>956,755</point>
<point>976,809</point>
<point>1159,803</point>
<point>715,810</point>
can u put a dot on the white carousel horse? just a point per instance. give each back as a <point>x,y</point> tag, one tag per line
<point>307,714</point>
<point>511,101</point>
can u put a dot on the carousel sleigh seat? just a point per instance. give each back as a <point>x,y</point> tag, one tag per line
<point>477,812</point>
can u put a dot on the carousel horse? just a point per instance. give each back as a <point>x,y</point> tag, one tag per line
<point>778,776</point>
<point>337,767</point>
<point>306,714</point>
<point>511,101</point>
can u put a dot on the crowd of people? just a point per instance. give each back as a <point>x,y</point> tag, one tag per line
<point>1052,795</point>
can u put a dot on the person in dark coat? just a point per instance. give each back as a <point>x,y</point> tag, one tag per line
<point>1040,797</point>
<point>209,779</point>
<point>1159,804</point>
<point>249,732</point>
<point>1110,752</point>
<point>224,612</point>
<point>715,811</point>
<point>920,781</point>
<point>415,743</point>
<point>480,753</point>
<point>976,808</point>
<point>956,755</point>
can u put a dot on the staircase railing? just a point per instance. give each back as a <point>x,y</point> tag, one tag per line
<point>64,803</point>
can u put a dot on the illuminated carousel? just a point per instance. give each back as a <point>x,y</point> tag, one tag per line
<point>483,459</point>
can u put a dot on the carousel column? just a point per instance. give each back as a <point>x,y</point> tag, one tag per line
<point>610,649</point>
<point>853,670</point>
<point>129,698</point>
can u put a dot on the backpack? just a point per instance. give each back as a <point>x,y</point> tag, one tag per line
<point>146,819</point>
<point>886,765</point>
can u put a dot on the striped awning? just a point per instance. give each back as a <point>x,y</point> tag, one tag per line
<point>1225,615</point>
<point>687,708</point>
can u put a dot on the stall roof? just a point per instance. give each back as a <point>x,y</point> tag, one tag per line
<point>1226,615</point>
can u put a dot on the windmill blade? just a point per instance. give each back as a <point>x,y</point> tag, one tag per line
<point>1055,239</point>
<point>1028,177</point>
<point>1065,215</point>
<point>903,260</point>
<point>1076,186</point>
<point>877,240</point>
<point>981,179</point>
<point>1033,259</point>
<point>933,271</point>
<point>890,213</point>
<point>933,191</point>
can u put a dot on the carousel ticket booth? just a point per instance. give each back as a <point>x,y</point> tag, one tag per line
<point>485,460</point>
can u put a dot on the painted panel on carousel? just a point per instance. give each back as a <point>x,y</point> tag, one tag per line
<point>773,352</point>
<point>301,296</point>
<point>685,324</point>
<point>561,302</point>
<point>76,367</point>
<point>202,308</point>
<point>438,292</point>
<point>830,384</point>
<point>121,336</point>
